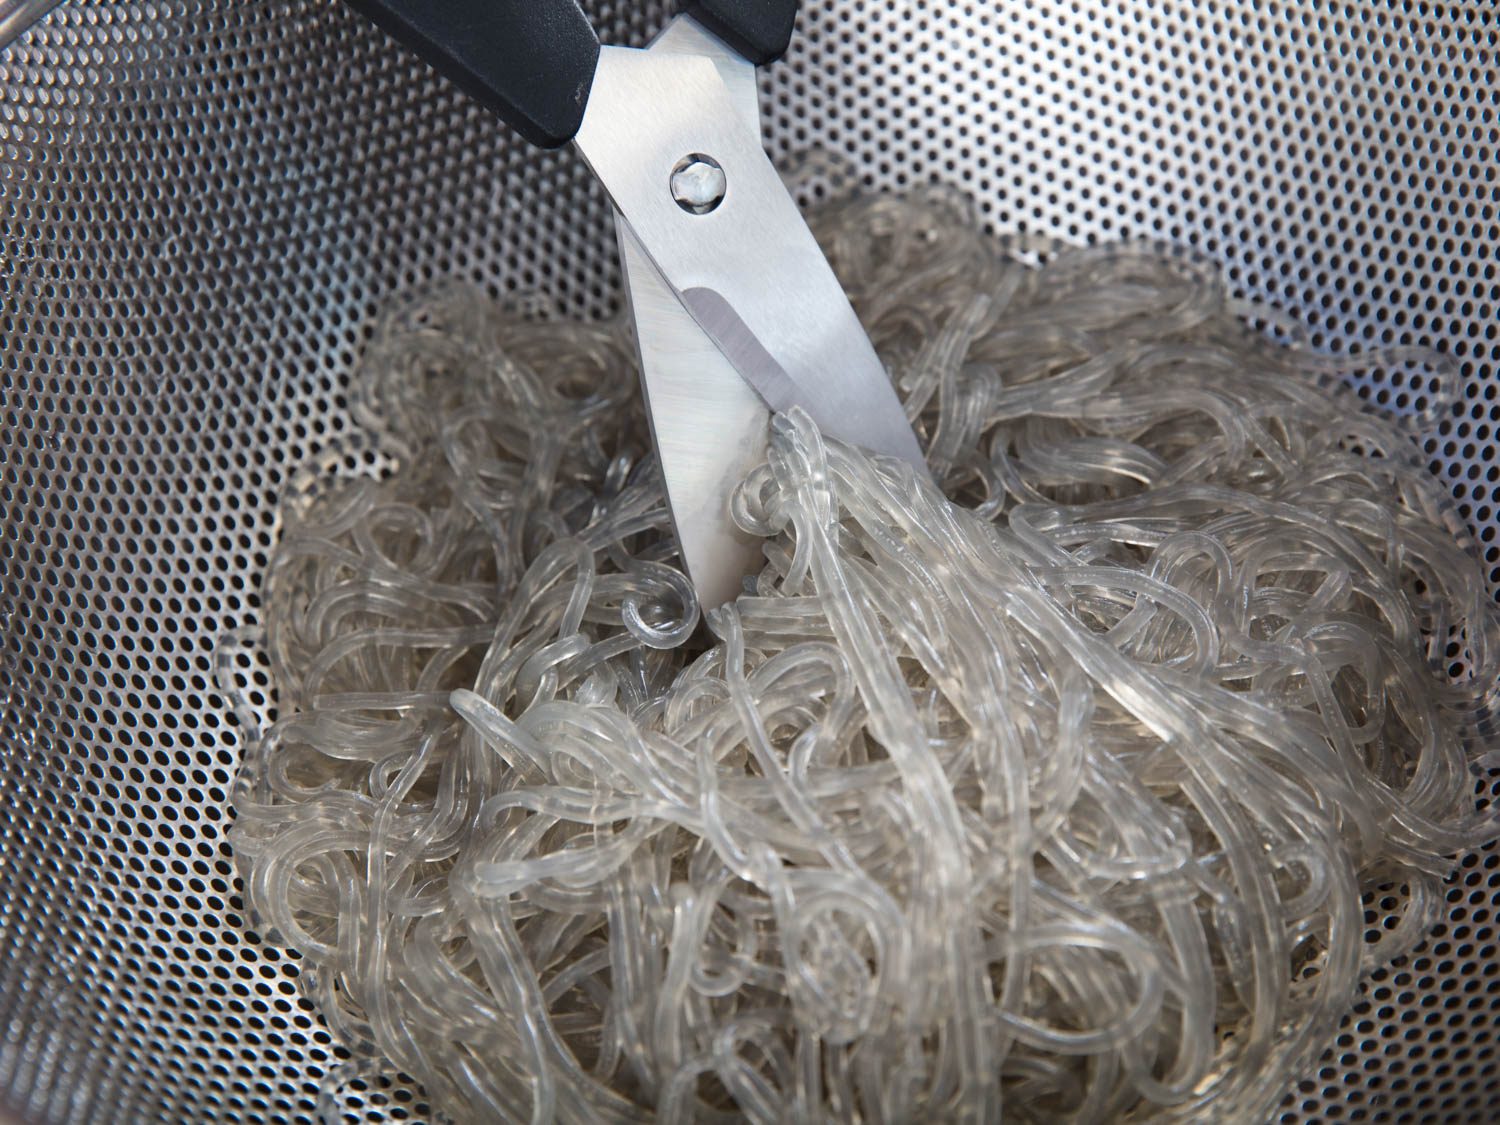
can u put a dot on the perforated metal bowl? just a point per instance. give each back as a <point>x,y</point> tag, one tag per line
<point>202,205</point>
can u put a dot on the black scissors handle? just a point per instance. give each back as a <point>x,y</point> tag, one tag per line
<point>533,61</point>
<point>758,29</point>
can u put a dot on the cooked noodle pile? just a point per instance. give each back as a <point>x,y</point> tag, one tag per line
<point>1053,797</point>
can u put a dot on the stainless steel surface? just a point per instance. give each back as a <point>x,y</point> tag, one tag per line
<point>749,270</point>
<point>17,15</point>
<point>203,204</point>
<point>710,426</point>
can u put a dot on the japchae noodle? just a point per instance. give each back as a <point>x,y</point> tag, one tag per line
<point>1051,794</point>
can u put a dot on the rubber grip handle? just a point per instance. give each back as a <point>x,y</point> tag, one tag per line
<point>530,61</point>
<point>758,29</point>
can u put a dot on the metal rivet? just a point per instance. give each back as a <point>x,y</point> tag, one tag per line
<point>698,183</point>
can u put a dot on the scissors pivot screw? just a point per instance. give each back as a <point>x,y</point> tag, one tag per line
<point>698,183</point>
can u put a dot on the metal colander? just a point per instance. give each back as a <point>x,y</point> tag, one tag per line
<point>202,205</point>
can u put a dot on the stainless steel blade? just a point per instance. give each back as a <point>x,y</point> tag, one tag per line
<point>749,271</point>
<point>710,429</point>
<point>709,424</point>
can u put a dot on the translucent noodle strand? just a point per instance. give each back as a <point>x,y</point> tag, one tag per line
<point>1045,789</point>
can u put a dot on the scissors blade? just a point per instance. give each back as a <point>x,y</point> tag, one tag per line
<point>709,425</point>
<point>749,270</point>
<point>709,379</point>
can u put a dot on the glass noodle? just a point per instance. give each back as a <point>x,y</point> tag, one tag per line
<point>1049,793</point>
